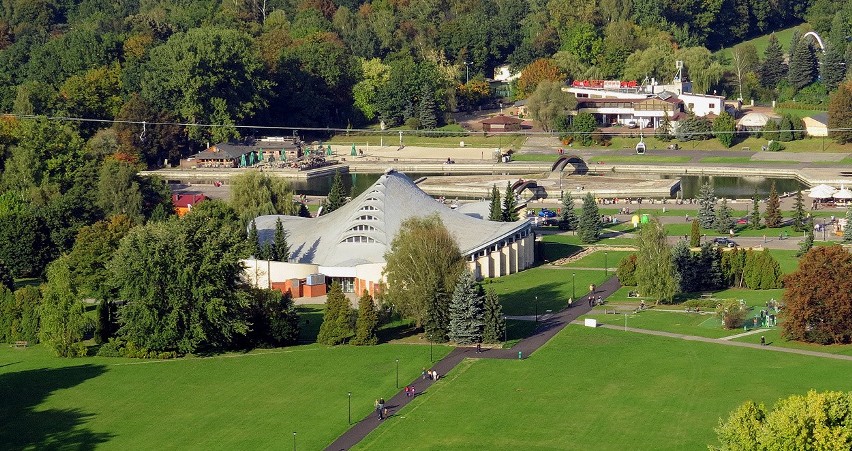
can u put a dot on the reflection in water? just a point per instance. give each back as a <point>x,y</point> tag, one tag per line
<point>729,187</point>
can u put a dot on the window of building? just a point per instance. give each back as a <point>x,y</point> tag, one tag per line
<point>362,228</point>
<point>347,284</point>
<point>712,105</point>
<point>359,239</point>
<point>369,208</point>
<point>367,218</point>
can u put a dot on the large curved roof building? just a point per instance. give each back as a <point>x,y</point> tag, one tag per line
<point>349,244</point>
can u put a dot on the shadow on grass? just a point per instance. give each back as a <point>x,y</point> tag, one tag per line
<point>310,320</point>
<point>551,251</point>
<point>24,427</point>
<point>517,330</point>
<point>397,330</point>
<point>538,299</point>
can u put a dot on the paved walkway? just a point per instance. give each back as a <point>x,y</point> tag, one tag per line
<point>547,328</point>
<point>740,344</point>
<point>744,334</point>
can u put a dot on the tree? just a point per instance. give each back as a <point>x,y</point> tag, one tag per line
<point>549,104</point>
<point>336,325</point>
<point>813,421</point>
<point>831,68</point>
<point>495,211</point>
<point>91,253</point>
<point>724,127</point>
<point>707,206</point>
<point>770,130</point>
<point>107,318</point>
<point>568,219</point>
<point>467,311</point>
<point>626,271</point>
<point>282,249</point>
<point>840,113</point>
<point>421,268</point>
<point>724,221</point>
<point>589,226</point>
<point>745,61</point>
<point>693,128</point>
<point>686,268</point>
<point>509,204</point>
<point>536,72</point>
<point>427,109</point>
<point>495,324</point>
<point>785,132</point>
<point>695,234</point>
<point>62,319</point>
<point>367,322</point>
<point>27,247</point>
<point>847,229</point>
<point>336,197</point>
<point>584,125</point>
<point>807,243</point>
<point>182,281</point>
<point>654,269</point>
<point>803,65</point>
<point>754,217</point>
<point>772,215</point>
<point>273,317</point>
<point>799,213</point>
<point>254,193</point>
<point>664,130</point>
<point>6,279</point>
<point>773,69</point>
<point>253,241</point>
<point>818,297</point>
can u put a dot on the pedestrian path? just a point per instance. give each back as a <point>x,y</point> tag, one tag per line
<point>729,343</point>
<point>547,329</point>
<point>744,334</point>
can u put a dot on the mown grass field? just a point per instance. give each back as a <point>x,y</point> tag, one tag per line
<point>604,390</point>
<point>391,138</point>
<point>233,401</point>
<point>784,37</point>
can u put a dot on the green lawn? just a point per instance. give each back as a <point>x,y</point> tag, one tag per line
<point>773,338</point>
<point>702,325</point>
<point>604,390</point>
<point>599,259</point>
<point>784,37</point>
<point>391,138</point>
<point>233,401</point>
<point>548,288</point>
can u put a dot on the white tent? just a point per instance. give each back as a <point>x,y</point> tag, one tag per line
<point>843,193</point>
<point>822,192</point>
<point>753,120</point>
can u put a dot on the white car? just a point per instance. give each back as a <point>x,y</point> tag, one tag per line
<point>632,124</point>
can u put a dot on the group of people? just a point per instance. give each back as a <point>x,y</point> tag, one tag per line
<point>381,410</point>
<point>409,391</point>
<point>431,374</point>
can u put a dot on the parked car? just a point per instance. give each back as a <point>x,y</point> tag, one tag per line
<point>724,242</point>
<point>547,213</point>
<point>632,124</point>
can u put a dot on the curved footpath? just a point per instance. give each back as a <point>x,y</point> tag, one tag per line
<point>545,331</point>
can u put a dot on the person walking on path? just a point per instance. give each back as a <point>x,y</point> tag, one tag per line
<point>380,407</point>
<point>762,340</point>
<point>424,373</point>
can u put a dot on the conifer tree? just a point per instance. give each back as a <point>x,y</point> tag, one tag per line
<point>336,197</point>
<point>336,325</point>
<point>664,130</point>
<point>770,130</point>
<point>367,322</point>
<point>427,116</point>
<point>847,230</point>
<point>695,234</point>
<point>724,220</point>
<point>106,320</point>
<point>467,311</point>
<point>437,322</point>
<point>253,240</point>
<point>707,206</point>
<point>785,132</point>
<point>803,65</point>
<point>799,213</point>
<point>773,69</point>
<point>589,226</point>
<point>509,205</point>
<point>568,220</point>
<point>772,215</point>
<point>754,218</point>
<point>807,243</point>
<point>495,212</point>
<point>282,248</point>
<point>832,71</point>
<point>495,324</point>
<point>6,279</point>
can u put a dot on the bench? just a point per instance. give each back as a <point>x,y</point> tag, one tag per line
<point>20,344</point>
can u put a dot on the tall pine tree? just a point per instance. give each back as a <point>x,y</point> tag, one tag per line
<point>832,70</point>
<point>754,218</point>
<point>437,323</point>
<point>509,204</point>
<point>427,111</point>
<point>495,324</point>
<point>589,226</point>
<point>336,197</point>
<point>706,206</point>
<point>495,212</point>
<point>695,234</point>
<point>367,322</point>
<point>773,69</point>
<point>724,220</point>
<point>807,243</point>
<point>803,65</point>
<point>253,240</point>
<point>282,249</point>
<point>467,311</point>
<point>772,215</point>
<point>336,325</point>
<point>799,213</point>
<point>568,219</point>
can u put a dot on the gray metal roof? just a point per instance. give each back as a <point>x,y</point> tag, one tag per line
<point>362,230</point>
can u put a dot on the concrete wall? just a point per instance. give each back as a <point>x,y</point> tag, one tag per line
<point>260,272</point>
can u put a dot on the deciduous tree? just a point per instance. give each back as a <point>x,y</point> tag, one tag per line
<point>724,127</point>
<point>62,319</point>
<point>847,229</point>
<point>548,104</point>
<point>254,193</point>
<point>654,269</point>
<point>542,69</point>
<point>840,113</point>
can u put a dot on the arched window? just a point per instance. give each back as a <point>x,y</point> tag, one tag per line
<point>359,239</point>
<point>362,228</point>
<point>366,218</point>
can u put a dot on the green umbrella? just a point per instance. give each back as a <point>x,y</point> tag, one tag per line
<point>260,155</point>
<point>353,150</point>
<point>328,152</point>
<point>243,160</point>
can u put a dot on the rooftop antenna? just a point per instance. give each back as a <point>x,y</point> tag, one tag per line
<point>679,75</point>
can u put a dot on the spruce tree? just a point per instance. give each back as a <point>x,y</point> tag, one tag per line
<point>336,325</point>
<point>707,206</point>
<point>832,69</point>
<point>772,215</point>
<point>803,65</point>
<point>754,218</point>
<point>437,322</point>
<point>336,198</point>
<point>509,204</point>
<point>685,268</point>
<point>427,115</point>
<point>267,252</point>
<point>467,311</point>
<point>695,234</point>
<point>709,267</point>
<point>847,229</point>
<point>589,226</point>
<point>785,132</point>
<point>367,322</point>
<point>104,327</point>
<point>495,325</point>
<point>282,249</point>
<point>807,243</point>
<point>724,221</point>
<point>770,130</point>
<point>253,240</point>
<point>664,130</point>
<point>495,212</point>
<point>568,219</point>
<point>799,213</point>
<point>773,69</point>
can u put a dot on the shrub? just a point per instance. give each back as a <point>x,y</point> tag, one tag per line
<point>626,271</point>
<point>732,313</point>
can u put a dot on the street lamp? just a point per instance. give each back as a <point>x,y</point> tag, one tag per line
<point>573,284</point>
<point>397,373</point>
<point>606,263</point>
<point>430,349</point>
<point>467,71</point>
<point>350,407</point>
<point>536,309</point>
<point>294,441</point>
<point>505,330</point>
<point>823,229</point>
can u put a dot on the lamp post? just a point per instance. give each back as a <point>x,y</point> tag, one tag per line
<point>397,373</point>
<point>350,407</point>
<point>606,264</point>
<point>294,441</point>
<point>823,229</point>
<point>505,330</point>
<point>573,284</point>
<point>536,309</point>
<point>430,349</point>
<point>467,71</point>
